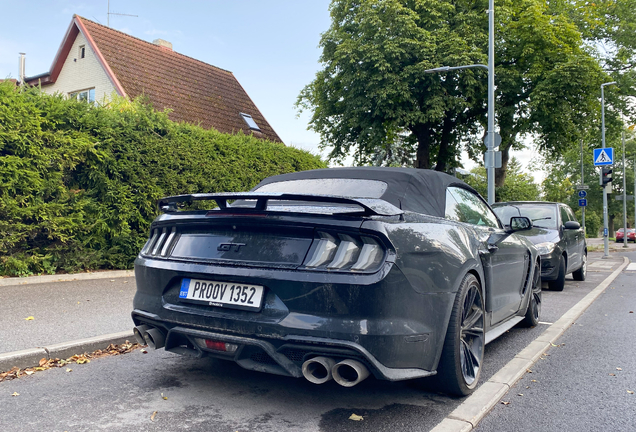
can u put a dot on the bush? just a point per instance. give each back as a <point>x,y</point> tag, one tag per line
<point>79,183</point>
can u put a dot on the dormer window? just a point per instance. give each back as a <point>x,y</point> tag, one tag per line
<point>250,122</point>
<point>82,51</point>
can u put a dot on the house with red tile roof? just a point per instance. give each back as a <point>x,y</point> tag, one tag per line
<point>95,62</point>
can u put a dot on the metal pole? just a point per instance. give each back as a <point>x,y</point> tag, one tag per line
<point>583,181</point>
<point>490,152</point>
<point>605,226</point>
<point>624,195</point>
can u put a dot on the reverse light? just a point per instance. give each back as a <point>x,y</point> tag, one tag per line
<point>216,345</point>
<point>545,248</point>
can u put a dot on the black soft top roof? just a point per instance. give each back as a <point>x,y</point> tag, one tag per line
<point>417,190</point>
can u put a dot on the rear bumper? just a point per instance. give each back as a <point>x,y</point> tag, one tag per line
<point>277,356</point>
<point>378,319</point>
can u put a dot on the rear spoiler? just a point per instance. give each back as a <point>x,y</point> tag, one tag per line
<point>370,206</point>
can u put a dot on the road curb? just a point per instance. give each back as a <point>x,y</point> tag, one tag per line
<point>467,415</point>
<point>31,357</point>
<point>65,277</point>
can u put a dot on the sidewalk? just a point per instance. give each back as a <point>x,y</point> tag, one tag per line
<point>62,312</point>
<point>588,380</point>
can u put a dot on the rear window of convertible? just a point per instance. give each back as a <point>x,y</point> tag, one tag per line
<point>355,188</point>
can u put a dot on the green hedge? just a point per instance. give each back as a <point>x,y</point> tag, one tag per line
<point>79,183</point>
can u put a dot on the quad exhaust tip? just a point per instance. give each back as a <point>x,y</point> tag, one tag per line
<point>347,373</point>
<point>317,370</point>
<point>151,336</point>
<point>139,333</point>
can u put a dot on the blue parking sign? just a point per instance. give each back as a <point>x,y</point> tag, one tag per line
<point>582,203</point>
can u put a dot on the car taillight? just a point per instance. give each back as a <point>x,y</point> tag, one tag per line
<point>160,242</point>
<point>345,252</point>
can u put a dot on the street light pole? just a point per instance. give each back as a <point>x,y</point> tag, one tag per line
<point>605,227</point>
<point>624,195</point>
<point>489,157</point>
<point>490,152</point>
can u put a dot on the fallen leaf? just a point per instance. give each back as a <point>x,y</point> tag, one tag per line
<point>15,394</point>
<point>630,392</point>
<point>112,280</point>
<point>125,281</point>
<point>29,372</point>
<point>612,374</point>
<point>164,397</point>
<point>144,351</point>
<point>505,403</point>
<point>619,369</point>
<point>43,361</point>
<point>533,380</point>
<point>69,370</point>
<point>29,318</point>
<point>527,387</point>
<point>528,370</point>
<point>520,394</point>
<point>152,417</point>
<point>355,417</point>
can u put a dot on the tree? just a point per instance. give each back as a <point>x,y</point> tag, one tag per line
<point>373,94</point>
<point>519,186</point>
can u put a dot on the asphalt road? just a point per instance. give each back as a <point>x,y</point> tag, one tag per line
<point>63,311</point>
<point>121,393</point>
<point>583,384</point>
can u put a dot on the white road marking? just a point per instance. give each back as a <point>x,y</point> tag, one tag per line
<point>631,267</point>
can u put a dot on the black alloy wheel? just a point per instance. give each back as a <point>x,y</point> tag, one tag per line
<point>559,283</point>
<point>581,273</point>
<point>533,312</point>
<point>461,362</point>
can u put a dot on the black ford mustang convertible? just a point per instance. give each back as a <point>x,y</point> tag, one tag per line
<point>338,273</point>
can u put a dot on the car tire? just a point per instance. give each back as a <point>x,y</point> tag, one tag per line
<point>460,365</point>
<point>533,312</point>
<point>581,273</point>
<point>559,283</point>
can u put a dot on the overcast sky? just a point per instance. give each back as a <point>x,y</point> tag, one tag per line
<point>271,46</point>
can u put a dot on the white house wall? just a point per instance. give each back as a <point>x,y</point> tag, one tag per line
<point>81,74</point>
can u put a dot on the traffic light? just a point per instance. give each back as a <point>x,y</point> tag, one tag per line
<point>606,176</point>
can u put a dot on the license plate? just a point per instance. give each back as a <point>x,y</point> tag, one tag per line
<point>222,294</point>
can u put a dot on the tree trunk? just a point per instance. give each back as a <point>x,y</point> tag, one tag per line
<point>443,155</point>
<point>423,156</point>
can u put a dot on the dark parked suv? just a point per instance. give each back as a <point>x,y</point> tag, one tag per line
<point>556,234</point>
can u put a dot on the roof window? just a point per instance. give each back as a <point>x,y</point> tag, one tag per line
<point>250,122</point>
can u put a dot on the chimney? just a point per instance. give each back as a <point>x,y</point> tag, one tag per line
<point>21,68</point>
<point>163,44</point>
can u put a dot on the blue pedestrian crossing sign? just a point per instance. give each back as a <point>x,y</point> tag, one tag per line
<point>603,156</point>
<point>583,202</point>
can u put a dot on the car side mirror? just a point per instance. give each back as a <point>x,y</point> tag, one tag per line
<point>519,223</point>
<point>572,225</point>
